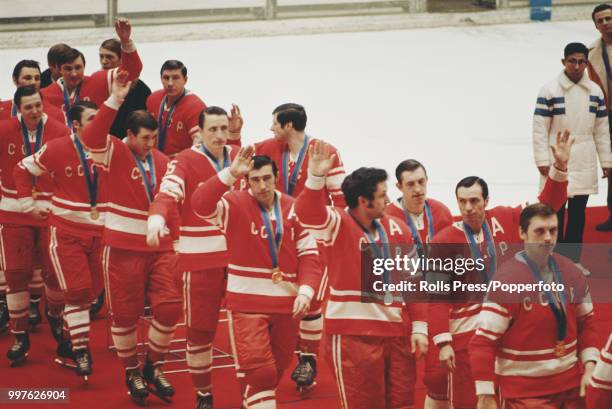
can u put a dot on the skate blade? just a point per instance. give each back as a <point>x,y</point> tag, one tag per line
<point>138,401</point>
<point>18,362</point>
<point>64,363</point>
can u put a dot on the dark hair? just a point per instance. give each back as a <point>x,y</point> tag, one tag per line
<point>24,92</point>
<point>212,110</point>
<point>599,8</point>
<point>409,165</point>
<point>172,65</point>
<point>471,181</point>
<point>69,56</point>
<point>24,64</point>
<point>362,182</point>
<point>55,51</point>
<point>294,113</point>
<point>534,210</point>
<point>77,109</point>
<point>140,119</point>
<point>573,48</point>
<point>259,161</point>
<point>113,45</point>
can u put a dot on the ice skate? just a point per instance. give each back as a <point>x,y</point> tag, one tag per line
<point>305,372</point>
<point>158,384</point>
<point>18,352</point>
<point>55,325</point>
<point>204,400</point>
<point>83,361</point>
<point>65,356</point>
<point>137,386</point>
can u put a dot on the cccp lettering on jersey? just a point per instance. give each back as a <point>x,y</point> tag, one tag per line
<point>69,170</point>
<point>12,149</point>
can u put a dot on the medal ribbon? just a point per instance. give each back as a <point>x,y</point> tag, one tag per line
<point>148,182</point>
<point>415,232</point>
<point>558,311</point>
<point>163,125</point>
<point>384,241</point>
<point>274,241</point>
<point>218,166</point>
<point>14,110</point>
<point>67,105</point>
<point>469,233</point>
<point>92,182</point>
<point>26,141</point>
<point>291,180</point>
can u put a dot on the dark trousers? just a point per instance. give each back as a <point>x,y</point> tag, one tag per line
<point>610,195</point>
<point>572,234</point>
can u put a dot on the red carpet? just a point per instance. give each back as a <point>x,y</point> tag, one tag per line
<point>106,387</point>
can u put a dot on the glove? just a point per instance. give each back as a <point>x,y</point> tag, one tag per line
<point>156,229</point>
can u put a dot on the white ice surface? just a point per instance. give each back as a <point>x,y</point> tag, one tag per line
<point>458,99</point>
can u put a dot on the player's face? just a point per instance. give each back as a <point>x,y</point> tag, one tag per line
<point>541,234</point>
<point>375,207</point>
<point>414,189</point>
<point>262,183</point>
<point>108,59</point>
<point>603,22</point>
<point>31,108</point>
<point>143,142</point>
<point>173,82</point>
<point>472,205</point>
<point>278,130</point>
<point>73,72</point>
<point>215,132</point>
<point>575,64</point>
<point>86,117</point>
<point>28,76</point>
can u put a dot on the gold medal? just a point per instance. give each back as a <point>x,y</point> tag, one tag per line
<point>277,275</point>
<point>94,213</point>
<point>559,349</point>
<point>33,191</point>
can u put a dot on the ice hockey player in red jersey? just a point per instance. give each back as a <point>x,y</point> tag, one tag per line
<point>530,343</point>
<point>289,150</point>
<point>133,270</point>
<point>176,109</point>
<point>366,341</point>
<point>201,247</point>
<point>27,73</point>
<point>599,392</point>
<point>425,217</point>
<point>75,86</point>
<point>487,235</point>
<point>76,221</point>
<point>270,286</point>
<point>24,237</point>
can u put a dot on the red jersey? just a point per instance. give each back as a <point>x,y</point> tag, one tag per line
<point>346,313</point>
<point>286,164</point>
<point>8,110</point>
<point>183,125</point>
<point>13,150</point>
<point>71,207</point>
<point>95,88</point>
<point>125,226</point>
<point>201,244</point>
<point>458,321</point>
<point>428,223</point>
<point>250,287</point>
<point>602,374</point>
<point>516,340</point>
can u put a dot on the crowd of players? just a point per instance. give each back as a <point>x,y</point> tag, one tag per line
<point>152,198</point>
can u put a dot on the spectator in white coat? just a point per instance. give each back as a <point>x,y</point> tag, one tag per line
<point>572,101</point>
